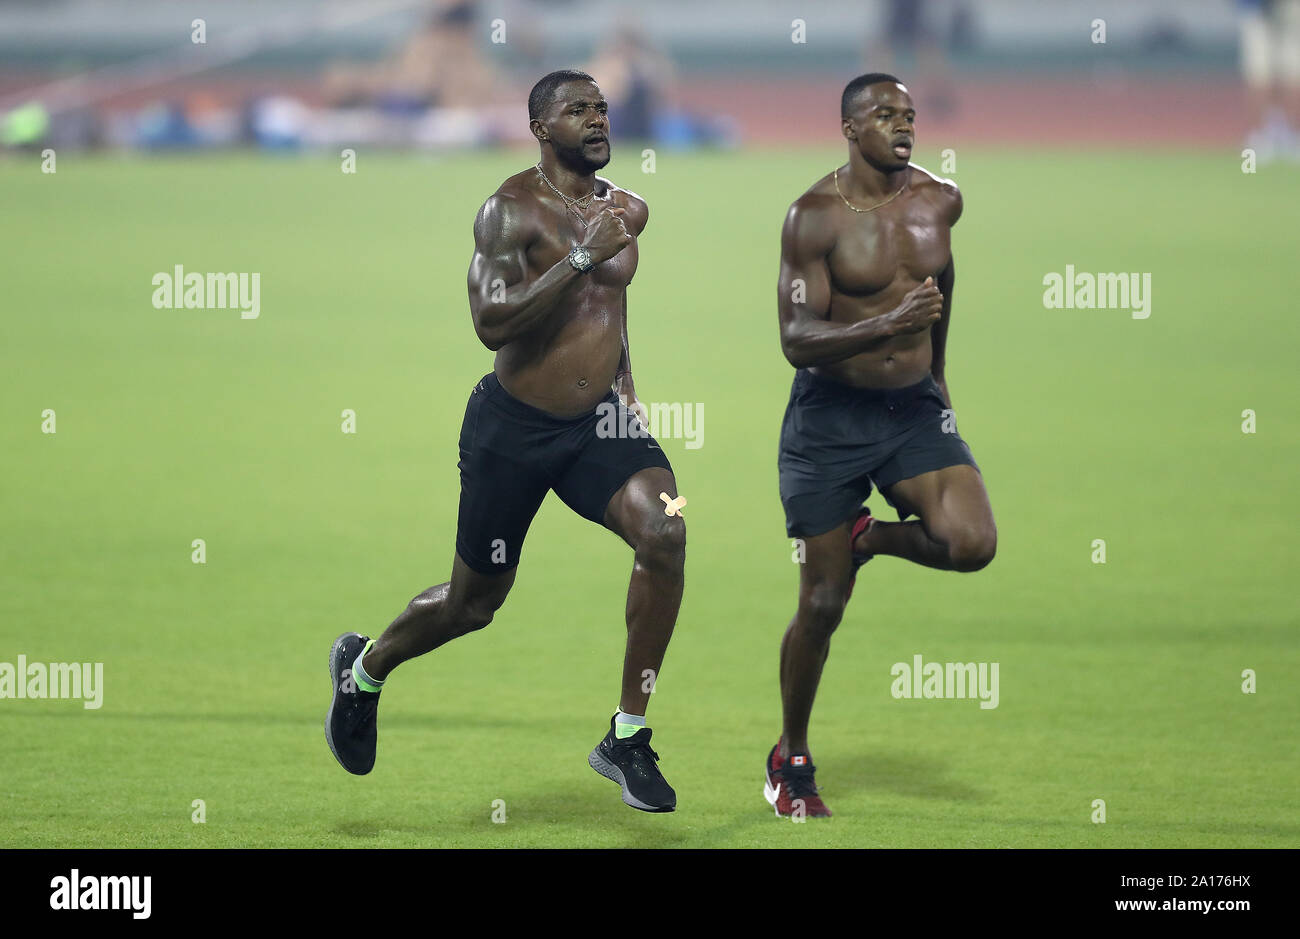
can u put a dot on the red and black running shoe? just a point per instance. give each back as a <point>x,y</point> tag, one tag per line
<point>860,524</point>
<point>789,786</point>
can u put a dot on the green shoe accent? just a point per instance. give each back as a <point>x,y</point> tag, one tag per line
<point>359,675</point>
<point>626,725</point>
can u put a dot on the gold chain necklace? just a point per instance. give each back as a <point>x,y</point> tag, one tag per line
<point>582,202</point>
<point>878,204</point>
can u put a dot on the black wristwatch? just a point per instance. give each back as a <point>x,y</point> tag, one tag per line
<point>580,258</point>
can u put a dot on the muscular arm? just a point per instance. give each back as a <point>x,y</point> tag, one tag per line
<point>939,331</point>
<point>503,304</point>
<point>623,375</point>
<point>623,385</point>
<point>638,215</point>
<point>808,337</point>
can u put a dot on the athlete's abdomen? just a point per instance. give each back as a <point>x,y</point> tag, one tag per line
<point>568,368</point>
<point>896,362</point>
<point>903,361</point>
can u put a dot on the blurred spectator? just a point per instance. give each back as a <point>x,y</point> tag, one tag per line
<point>921,30</point>
<point>635,77</point>
<point>638,79</point>
<point>439,66</point>
<point>1270,64</point>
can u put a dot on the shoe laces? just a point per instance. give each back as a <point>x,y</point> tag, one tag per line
<point>638,746</point>
<point>799,781</point>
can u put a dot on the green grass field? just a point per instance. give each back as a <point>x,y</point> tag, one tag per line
<point>1119,681</point>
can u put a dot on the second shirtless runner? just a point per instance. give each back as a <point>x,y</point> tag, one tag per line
<point>555,249</point>
<point>865,296</point>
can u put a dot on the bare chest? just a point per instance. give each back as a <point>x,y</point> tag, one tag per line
<point>873,251</point>
<point>614,273</point>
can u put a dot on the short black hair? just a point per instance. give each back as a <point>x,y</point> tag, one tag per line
<point>852,89</point>
<point>543,93</point>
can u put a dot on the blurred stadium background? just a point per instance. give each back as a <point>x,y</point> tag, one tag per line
<point>454,73</point>
<point>1120,681</point>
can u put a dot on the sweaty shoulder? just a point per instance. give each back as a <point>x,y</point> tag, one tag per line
<point>942,193</point>
<point>638,212</point>
<point>808,228</point>
<point>508,213</point>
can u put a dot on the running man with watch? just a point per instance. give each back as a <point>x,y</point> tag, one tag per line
<point>555,249</point>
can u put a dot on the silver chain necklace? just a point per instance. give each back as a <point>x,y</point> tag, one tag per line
<point>582,202</point>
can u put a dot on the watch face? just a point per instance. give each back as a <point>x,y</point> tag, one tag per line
<point>582,257</point>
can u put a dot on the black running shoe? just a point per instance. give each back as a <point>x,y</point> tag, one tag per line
<point>350,724</point>
<point>631,763</point>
